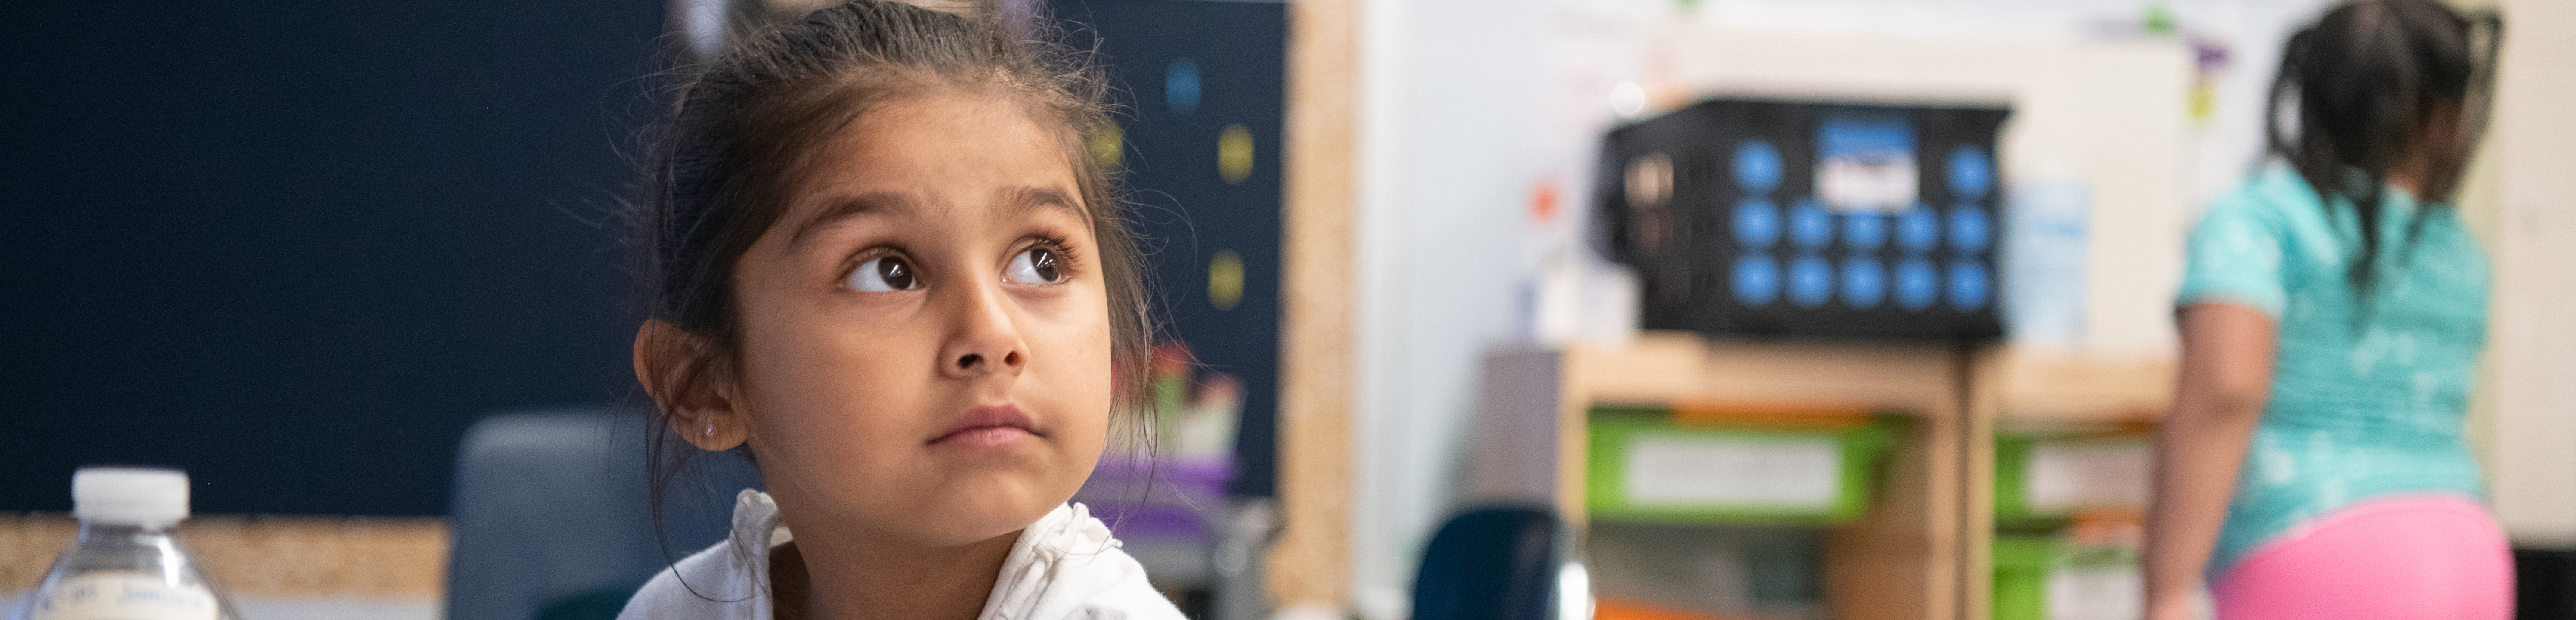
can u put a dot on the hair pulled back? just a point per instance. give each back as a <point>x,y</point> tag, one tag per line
<point>742,124</point>
<point>2371,80</point>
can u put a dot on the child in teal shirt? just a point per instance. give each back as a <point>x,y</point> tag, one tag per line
<point>2332,313</point>
<point>2368,389</point>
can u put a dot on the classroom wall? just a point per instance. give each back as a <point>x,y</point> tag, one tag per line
<point>2531,385</point>
<point>1439,189</point>
<point>1478,124</point>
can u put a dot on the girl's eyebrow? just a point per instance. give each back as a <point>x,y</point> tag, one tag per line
<point>843,209</point>
<point>1028,199</point>
<point>1037,197</point>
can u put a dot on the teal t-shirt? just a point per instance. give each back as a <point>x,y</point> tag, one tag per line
<point>2367,399</point>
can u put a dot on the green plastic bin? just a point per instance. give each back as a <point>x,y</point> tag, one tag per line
<point>2013,464</point>
<point>1644,467</point>
<point>2021,576</point>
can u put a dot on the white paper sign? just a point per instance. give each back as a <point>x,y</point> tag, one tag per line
<point>1883,185</point>
<point>1788,473</point>
<point>1866,163</point>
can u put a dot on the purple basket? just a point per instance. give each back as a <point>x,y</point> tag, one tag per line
<point>1162,499</point>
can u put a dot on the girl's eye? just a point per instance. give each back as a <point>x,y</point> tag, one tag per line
<point>883,274</point>
<point>1034,266</point>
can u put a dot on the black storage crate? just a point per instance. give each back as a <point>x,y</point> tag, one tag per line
<point>1721,209</point>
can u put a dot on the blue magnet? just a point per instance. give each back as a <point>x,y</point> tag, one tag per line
<point>1968,289</point>
<point>1811,282</point>
<point>1864,283</point>
<point>1970,231</point>
<point>1756,280</point>
<point>1810,226</point>
<point>1918,229</point>
<point>1864,230</point>
<point>1757,166</point>
<point>1972,174</point>
<point>1916,284</point>
<point>1181,85</point>
<point>1757,223</point>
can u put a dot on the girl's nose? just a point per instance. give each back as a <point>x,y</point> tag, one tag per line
<point>985,339</point>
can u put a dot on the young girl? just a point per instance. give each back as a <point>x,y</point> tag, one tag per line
<point>881,264</point>
<point>2332,315</point>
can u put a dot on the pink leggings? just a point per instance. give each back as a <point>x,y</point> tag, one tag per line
<point>2397,558</point>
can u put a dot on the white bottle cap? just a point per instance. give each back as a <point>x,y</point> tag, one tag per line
<point>130,495</point>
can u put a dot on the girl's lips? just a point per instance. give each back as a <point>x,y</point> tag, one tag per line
<point>986,437</point>
<point>989,426</point>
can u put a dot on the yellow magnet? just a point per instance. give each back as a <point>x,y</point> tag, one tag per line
<point>1225,280</point>
<point>1234,153</point>
<point>1108,145</point>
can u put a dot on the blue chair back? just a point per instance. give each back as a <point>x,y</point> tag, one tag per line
<point>1489,564</point>
<point>550,515</point>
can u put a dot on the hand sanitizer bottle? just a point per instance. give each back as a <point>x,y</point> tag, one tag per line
<point>128,564</point>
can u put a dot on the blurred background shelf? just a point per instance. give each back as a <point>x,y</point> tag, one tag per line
<point>1921,550</point>
<point>2033,384</point>
<point>1899,560</point>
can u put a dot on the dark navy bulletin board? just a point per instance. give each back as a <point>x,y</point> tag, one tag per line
<point>1185,72</point>
<point>297,248</point>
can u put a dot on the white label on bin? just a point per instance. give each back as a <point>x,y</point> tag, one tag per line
<point>1772,472</point>
<point>2096,593</point>
<point>2065,478</point>
<point>123,596</point>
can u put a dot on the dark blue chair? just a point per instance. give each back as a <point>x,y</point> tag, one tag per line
<point>550,517</point>
<point>1490,564</point>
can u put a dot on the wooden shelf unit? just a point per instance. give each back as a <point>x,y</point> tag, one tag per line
<point>2023,384</point>
<point>1902,561</point>
<point>2042,386</point>
<point>1922,551</point>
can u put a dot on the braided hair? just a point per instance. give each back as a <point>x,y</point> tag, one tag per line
<point>2379,85</point>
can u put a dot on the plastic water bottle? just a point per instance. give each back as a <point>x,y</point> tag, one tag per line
<point>128,564</point>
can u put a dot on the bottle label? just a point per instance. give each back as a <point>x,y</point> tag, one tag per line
<point>124,596</point>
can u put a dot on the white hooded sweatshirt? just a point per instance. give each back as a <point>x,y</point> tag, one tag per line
<point>1064,567</point>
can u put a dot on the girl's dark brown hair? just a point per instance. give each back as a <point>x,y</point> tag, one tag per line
<point>2370,81</point>
<point>742,124</point>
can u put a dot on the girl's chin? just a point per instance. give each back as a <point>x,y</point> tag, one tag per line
<point>982,507</point>
<point>959,530</point>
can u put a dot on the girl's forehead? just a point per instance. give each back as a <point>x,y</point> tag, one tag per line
<point>935,155</point>
<point>953,137</point>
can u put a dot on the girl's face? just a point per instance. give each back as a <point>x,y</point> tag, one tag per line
<point>925,334</point>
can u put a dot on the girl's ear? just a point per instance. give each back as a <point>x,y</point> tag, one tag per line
<point>689,385</point>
